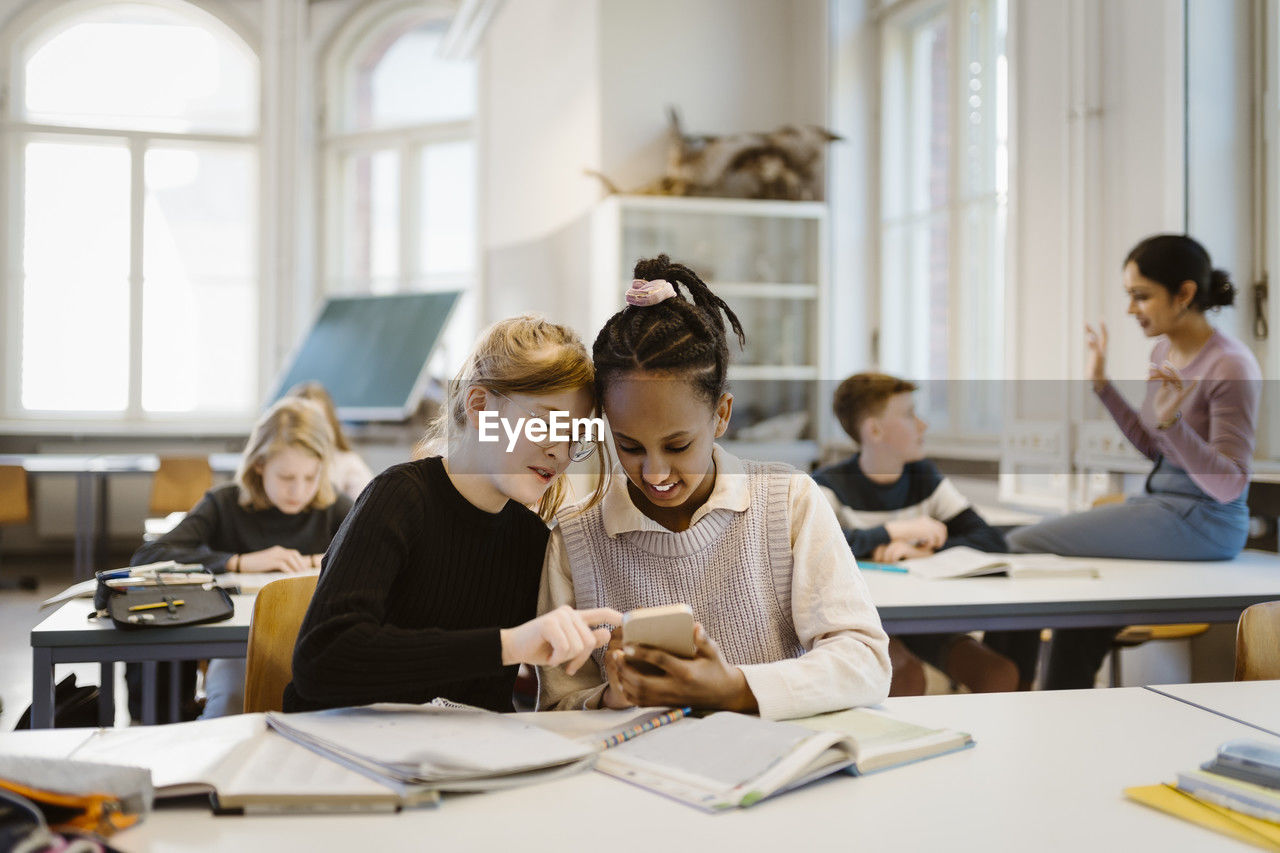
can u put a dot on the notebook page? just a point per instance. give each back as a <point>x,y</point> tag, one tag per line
<point>435,742</point>
<point>879,734</point>
<point>956,562</point>
<point>273,765</point>
<point>176,754</point>
<point>726,750</point>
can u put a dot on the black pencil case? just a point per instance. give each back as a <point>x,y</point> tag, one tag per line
<point>170,606</point>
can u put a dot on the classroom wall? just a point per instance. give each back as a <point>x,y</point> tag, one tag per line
<point>578,84</point>
<point>728,65</point>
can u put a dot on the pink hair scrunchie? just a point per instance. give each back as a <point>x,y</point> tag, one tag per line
<point>645,293</point>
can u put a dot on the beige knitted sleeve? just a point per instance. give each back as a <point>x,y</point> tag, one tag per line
<point>846,659</point>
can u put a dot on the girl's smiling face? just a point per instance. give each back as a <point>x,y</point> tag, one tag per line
<point>664,431</point>
<point>1152,305</point>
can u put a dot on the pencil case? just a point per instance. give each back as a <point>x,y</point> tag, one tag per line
<point>78,796</point>
<point>169,607</point>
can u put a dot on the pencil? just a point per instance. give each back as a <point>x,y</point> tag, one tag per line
<point>156,606</point>
<point>646,726</point>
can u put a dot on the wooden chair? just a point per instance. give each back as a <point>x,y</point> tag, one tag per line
<point>1258,643</point>
<point>1136,635</point>
<point>15,508</point>
<point>277,616</point>
<point>179,483</point>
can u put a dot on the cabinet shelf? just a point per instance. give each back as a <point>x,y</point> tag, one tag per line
<point>768,261</point>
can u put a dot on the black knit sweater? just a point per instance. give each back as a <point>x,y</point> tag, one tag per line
<point>413,593</point>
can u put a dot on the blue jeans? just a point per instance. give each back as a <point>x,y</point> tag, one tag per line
<point>224,688</point>
<point>1172,520</point>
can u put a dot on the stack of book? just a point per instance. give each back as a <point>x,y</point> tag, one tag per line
<point>1237,793</point>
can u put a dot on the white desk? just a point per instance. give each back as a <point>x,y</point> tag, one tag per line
<point>69,636</point>
<point>1129,592</point>
<point>91,471</point>
<point>1048,773</point>
<point>1254,702</point>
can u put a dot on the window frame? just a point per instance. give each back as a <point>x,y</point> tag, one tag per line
<point>408,142</point>
<point>23,34</point>
<point>897,21</point>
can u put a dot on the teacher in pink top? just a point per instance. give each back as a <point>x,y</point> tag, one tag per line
<point>1196,423</point>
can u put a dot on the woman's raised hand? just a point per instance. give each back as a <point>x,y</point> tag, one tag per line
<point>1173,390</point>
<point>1096,344</point>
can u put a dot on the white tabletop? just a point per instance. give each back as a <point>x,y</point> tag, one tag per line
<point>1047,773</point>
<point>1126,588</point>
<point>1254,702</point>
<point>105,463</point>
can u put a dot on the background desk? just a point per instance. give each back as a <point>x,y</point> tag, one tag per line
<point>1129,592</point>
<point>1254,702</point>
<point>91,472</point>
<point>69,636</point>
<point>1048,773</point>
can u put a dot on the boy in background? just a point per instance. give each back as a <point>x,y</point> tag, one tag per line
<point>894,504</point>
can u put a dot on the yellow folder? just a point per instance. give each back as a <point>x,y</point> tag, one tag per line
<point>1167,798</point>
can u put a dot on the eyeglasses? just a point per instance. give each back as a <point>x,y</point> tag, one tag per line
<point>578,450</point>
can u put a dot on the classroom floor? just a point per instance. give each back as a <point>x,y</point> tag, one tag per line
<point>19,613</point>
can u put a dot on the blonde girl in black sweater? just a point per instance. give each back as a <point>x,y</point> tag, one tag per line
<point>430,589</point>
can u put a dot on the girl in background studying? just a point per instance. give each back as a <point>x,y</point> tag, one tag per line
<point>786,625</point>
<point>430,589</point>
<point>347,470</point>
<point>279,514</point>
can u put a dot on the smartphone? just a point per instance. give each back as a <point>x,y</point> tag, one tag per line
<point>669,628</point>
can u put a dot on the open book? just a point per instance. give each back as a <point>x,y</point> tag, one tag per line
<point>727,760</point>
<point>245,768</point>
<point>964,562</point>
<point>447,748</point>
<point>881,741</point>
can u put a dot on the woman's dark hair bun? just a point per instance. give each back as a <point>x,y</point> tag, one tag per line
<point>1221,291</point>
<point>1171,259</point>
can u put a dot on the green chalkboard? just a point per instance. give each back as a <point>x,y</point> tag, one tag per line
<point>371,352</point>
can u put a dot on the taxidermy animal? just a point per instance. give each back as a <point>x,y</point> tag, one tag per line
<point>783,164</point>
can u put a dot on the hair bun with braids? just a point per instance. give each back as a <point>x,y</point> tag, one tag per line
<point>685,335</point>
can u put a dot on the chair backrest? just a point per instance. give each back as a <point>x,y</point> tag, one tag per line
<point>1258,643</point>
<point>179,483</point>
<point>15,501</point>
<point>277,616</point>
<point>1108,499</point>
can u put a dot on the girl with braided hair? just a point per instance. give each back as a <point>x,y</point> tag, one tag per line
<point>785,627</point>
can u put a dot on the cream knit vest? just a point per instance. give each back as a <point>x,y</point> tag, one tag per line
<point>732,568</point>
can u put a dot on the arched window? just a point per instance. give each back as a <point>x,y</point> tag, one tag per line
<point>400,167</point>
<point>131,241</point>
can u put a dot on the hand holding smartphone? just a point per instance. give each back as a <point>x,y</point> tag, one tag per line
<point>669,628</point>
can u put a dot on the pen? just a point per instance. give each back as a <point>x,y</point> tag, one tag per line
<point>883,567</point>
<point>156,605</point>
<point>646,726</point>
